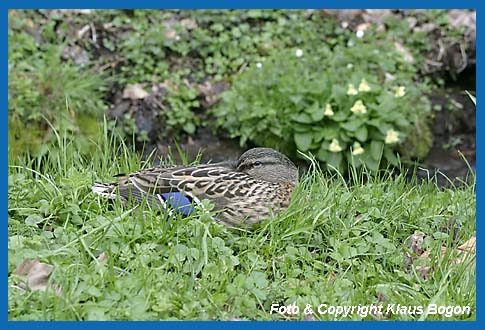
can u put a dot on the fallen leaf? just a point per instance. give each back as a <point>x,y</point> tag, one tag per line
<point>423,271</point>
<point>102,257</point>
<point>188,23</point>
<point>465,251</point>
<point>462,18</point>
<point>390,77</point>
<point>426,28</point>
<point>408,57</point>
<point>469,246</point>
<point>134,92</point>
<point>170,34</point>
<point>415,243</point>
<point>36,273</point>
<point>376,16</point>
<point>381,297</point>
<point>363,26</point>
<point>332,277</point>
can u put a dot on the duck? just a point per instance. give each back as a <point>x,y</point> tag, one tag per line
<point>260,183</point>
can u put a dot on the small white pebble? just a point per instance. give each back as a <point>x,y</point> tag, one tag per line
<point>259,65</point>
<point>359,34</point>
<point>299,53</point>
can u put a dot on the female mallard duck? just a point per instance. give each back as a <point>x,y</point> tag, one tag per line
<point>243,192</point>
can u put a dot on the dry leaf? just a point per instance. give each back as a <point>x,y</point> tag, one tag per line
<point>102,257</point>
<point>462,18</point>
<point>423,271</point>
<point>408,57</point>
<point>134,92</point>
<point>331,277</point>
<point>465,250</point>
<point>170,34</point>
<point>469,246</point>
<point>36,273</point>
<point>381,297</point>
<point>415,243</point>
<point>188,23</point>
<point>363,26</point>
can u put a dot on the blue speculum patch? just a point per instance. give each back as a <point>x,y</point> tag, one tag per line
<point>179,202</point>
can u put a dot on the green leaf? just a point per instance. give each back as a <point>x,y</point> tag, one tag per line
<point>317,116</point>
<point>402,122</point>
<point>361,134</point>
<point>351,125</point>
<point>391,157</point>
<point>312,109</point>
<point>302,118</point>
<point>335,160</point>
<point>382,127</point>
<point>322,154</point>
<point>369,162</point>
<point>33,220</point>
<point>376,150</point>
<point>296,99</point>
<point>276,131</point>
<point>303,140</point>
<point>315,112</point>
<point>189,127</point>
<point>339,93</point>
<point>339,116</point>
<point>259,279</point>
<point>327,132</point>
<point>217,27</point>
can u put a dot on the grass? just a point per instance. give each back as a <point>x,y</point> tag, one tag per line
<point>341,242</point>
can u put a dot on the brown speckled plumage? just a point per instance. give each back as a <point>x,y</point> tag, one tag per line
<point>244,192</point>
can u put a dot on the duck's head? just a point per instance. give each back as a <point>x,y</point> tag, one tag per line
<point>267,164</point>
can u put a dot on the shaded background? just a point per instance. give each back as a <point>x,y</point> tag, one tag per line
<point>157,75</point>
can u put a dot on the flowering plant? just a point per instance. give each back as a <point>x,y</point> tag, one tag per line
<point>344,106</point>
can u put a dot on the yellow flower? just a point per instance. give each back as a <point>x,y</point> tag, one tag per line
<point>358,107</point>
<point>399,91</point>
<point>351,90</point>
<point>364,86</point>
<point>392,136</point>
<point>334,146</point>
<point>357,149</point>
<point>328,110</point>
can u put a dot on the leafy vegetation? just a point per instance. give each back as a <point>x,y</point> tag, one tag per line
<point>40,88</point>
<point>353,104</point>
<point>182,49</point>
<point>339,243</point>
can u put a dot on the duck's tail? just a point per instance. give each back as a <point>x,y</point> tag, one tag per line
<point>105,189</point>
<point>177,201</point>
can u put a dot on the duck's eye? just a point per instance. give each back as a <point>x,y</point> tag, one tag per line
<point>257,163</point>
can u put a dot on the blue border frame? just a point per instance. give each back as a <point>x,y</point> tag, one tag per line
<point>250,4</point>
<point>213,4</point>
